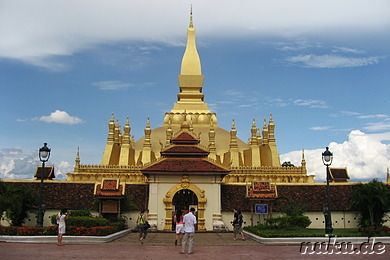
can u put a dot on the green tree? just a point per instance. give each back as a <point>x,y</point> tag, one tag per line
<point>17,202</point>
<point>372,201</point>
<point>4,197</point>
<point>290,206</point>
<point>288,164</point>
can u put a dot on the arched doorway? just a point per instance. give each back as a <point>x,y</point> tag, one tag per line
<point>193,191</point>
<point>183,200</point>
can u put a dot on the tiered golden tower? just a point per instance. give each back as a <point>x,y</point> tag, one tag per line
<point>256,160</point>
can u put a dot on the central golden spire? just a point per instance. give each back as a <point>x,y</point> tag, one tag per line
<point>190,64</point>
<point>190,103</point>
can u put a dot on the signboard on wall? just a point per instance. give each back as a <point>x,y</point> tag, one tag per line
<point>261,208</point>
<point>109,206</point>
<point>261,190</point>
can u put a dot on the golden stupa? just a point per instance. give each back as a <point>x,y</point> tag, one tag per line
<point>255,160</point>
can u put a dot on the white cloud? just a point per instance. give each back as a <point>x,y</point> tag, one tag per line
<point>310,103</point>
<point>348,50</point>
<point>377,127</point>
<point>373,116</point>
<point>320,128</point>
<point>40,30</point>
<point>331,61</point>
<point>119,85</point>
<point>112,85</point>
<point>61,169</point>
<point>366,156</point>
<point>16,164</point>
<point>276,102</point>
<point>61,117</point>
<point>246,105</point>
<point>350,113</point>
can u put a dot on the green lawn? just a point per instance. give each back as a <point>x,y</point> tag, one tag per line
<point>301,232</point>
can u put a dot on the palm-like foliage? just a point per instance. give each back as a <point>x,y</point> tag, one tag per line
<point>16,202</point>
<point>372,201</point>
<point>4,197</point>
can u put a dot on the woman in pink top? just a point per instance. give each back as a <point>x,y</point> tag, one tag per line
<point>179,226</point>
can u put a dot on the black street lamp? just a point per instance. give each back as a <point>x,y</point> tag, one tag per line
<point>327,158</point>
<point>44,155</point>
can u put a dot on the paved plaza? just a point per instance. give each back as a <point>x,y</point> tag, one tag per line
<point>161,246</point>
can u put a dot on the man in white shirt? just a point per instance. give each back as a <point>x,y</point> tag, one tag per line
<point>189,231</point>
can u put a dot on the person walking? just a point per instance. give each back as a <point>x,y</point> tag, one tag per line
<point>61,217</point>
<point>237,224</point>
<point>143,225</point>
<point>178,219</point>
<point>189,221</point>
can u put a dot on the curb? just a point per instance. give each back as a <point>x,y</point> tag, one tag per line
<point>300,240</point>
<point>67,239</point>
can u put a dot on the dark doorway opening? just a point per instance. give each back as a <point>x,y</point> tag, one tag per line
<point>183,200</point>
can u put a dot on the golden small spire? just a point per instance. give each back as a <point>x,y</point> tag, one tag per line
<point>112,119</point>
<point>148,123</point>
<point>191,23</point>
<point>77,161</point>
<point>233,136</point>
<point>271,121</point>
<point>303,163</point>
<point>147,131</point>
<point>185,124</point>
<point>78,155</point>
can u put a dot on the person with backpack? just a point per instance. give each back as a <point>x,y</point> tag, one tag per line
<point>143,225</point>
<point>237,224</point>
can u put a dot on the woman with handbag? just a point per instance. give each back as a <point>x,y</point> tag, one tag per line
<point>143,225</point>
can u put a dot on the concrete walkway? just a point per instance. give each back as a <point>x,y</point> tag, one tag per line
<point>161,246</point>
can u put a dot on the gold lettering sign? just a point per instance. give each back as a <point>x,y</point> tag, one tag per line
<point>261,190</point>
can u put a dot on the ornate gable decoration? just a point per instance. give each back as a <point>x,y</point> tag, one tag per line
<point>185,156</point>
<point>262,190</point>
<point>338,174</point>
<point>48,173</point>
<point>109,188</point>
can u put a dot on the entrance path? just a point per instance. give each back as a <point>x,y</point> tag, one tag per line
<point>161,246</point>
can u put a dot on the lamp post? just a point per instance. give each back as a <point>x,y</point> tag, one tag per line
<point>44,154</point>
<point>327,158</point>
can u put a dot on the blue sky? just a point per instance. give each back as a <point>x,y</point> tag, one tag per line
<point>320,67</point>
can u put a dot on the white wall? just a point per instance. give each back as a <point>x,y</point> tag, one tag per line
<point>340,219</point>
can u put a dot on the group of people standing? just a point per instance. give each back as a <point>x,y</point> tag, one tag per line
<point>185,228</point>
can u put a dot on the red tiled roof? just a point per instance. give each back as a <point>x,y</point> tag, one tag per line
<point>184,150</point>
<point>184,165</point>
<point>108,193</point>
<point>185,138</point>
